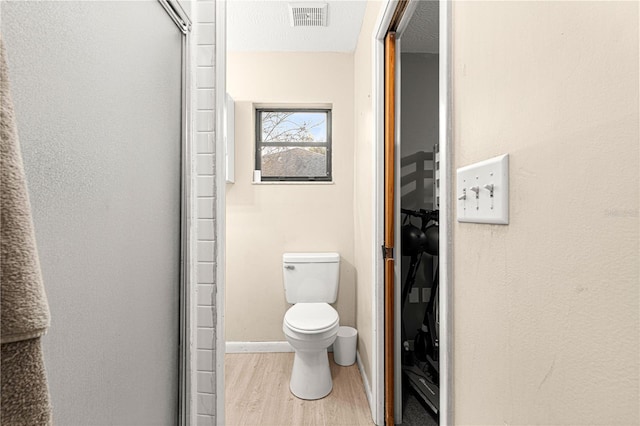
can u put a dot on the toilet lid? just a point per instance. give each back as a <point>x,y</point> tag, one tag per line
<point>311,316</point>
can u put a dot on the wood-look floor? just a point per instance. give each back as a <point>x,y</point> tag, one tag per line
<point>257,393</point>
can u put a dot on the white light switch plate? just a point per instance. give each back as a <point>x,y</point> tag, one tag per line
<point>475,186</point>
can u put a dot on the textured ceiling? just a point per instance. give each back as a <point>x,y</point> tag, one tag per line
<point>263,25</point>
<point>421,36</point>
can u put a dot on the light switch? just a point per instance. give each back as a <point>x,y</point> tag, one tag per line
<point>483,191</point>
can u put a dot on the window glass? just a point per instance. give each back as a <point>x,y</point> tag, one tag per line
<point>294,161</point>
<point>291,126</point>
<point>293,145</point>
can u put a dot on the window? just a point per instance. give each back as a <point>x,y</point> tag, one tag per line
<point>293,144</point>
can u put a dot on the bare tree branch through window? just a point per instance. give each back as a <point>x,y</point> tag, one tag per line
<point>304,136</point>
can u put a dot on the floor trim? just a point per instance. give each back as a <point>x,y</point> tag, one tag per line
<point>257,347</point>
<point>261,347</point>
<point>365,382</point>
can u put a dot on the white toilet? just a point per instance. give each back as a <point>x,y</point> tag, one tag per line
<point>311,324</point>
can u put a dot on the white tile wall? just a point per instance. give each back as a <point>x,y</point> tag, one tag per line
<point>205,186</point>
<point>205,164</point>
<point>206,339</point>
<point>206,382</point>
<point>205,273</point>
<point>204,119</point>
<point>206,99</point>
<point>204,34</point>
<point>205,207</point>
<point>205,77</point>
<point>206,405</point>
<point>205,12</point>
<point>205,360</point>
<point>205,319</point>
<point>206,230</point>
<point>205,142</point>
<point>206,55</point>
<point>206,294</point>
<point>206,421</point>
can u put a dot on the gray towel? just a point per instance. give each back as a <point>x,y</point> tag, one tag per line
<point>23,303</point>
<point>25,394</point>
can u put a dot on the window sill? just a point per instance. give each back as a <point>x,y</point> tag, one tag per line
<point>284,182</point>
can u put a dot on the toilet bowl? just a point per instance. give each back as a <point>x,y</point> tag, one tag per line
<point>310,328</point>
<point>311,324</point>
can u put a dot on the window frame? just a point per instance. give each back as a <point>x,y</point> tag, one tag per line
<point>259,144</point>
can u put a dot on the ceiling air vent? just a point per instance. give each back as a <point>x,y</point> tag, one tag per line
<point>308,14</point>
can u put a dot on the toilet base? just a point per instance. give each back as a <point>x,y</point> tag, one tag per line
<point>311,376</point>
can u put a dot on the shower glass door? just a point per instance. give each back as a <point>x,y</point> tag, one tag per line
<point>97,88</point>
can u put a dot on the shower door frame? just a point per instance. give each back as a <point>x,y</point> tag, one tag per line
<point>186,331</point>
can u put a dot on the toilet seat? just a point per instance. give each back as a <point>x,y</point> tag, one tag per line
<point>311,318</point>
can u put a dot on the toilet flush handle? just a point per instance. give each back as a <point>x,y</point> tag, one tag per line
<point>289,267</point>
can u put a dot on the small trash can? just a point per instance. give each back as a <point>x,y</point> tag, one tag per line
<point>344,348</point>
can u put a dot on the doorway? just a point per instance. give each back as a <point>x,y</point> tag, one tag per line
<point>380,382</point>
<point>418,179</point>
<point>270,218</point>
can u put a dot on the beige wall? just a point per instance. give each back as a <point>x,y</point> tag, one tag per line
<point>546,308</point>
<point>364,185</point>
<point>264,221</point>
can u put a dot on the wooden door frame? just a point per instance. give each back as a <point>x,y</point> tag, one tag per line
<point>390,44</point>
<point>445,260</point>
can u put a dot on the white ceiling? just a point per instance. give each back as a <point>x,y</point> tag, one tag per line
<point>263,25</point>
<point>421,36</point>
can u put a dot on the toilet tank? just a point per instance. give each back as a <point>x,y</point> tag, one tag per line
<point>311,277</point>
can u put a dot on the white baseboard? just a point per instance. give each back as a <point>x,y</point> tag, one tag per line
<point>257,347</point>
<point>365,381</point>
<point>260,347</point>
